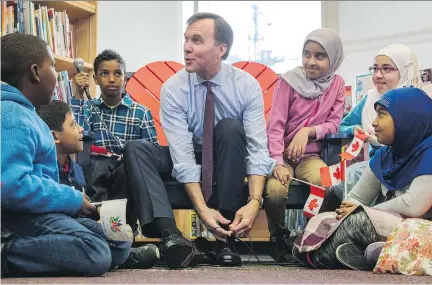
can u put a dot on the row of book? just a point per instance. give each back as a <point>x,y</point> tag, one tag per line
<point>63,90</point>
<point>47,24</point>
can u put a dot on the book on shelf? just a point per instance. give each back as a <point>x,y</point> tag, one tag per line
<point>63,90</point>
<point>41,21</point>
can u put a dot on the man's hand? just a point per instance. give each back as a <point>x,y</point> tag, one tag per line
<point>282,174</point>
<point>87,209</point>
<point>345,209</point>
<point>297,147</point>
<point>245,218</point>
<point>213,221</point>
<point>82,80</point>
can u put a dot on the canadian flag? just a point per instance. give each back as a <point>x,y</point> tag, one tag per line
<point>332,175</point>
<point>314,202</point>
<point>355,147</point>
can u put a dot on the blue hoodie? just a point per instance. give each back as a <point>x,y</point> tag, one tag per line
<point>29,173</point>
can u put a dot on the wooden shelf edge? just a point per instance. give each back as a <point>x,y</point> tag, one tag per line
<point>74,9</point>
<point>66,63</point>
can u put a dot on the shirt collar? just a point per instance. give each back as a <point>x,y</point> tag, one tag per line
<point>218,79</point>
<point>126,101</point>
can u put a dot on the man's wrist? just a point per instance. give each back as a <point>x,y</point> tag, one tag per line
<point>256,200</point>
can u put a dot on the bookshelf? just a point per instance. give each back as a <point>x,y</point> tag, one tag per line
<point>259,232</point>
<point>82,16</point>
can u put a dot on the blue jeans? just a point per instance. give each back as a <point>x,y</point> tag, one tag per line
<point>56,244</point>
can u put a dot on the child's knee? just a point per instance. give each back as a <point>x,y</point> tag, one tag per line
<point>274,190</point>
<point>97,259</point>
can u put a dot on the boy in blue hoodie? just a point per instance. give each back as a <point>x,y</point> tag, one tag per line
<point>68,138</point>
<point>46,224</point>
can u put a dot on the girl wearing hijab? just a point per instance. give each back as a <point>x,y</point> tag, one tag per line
<point>307,104</point>
<point>399,177</point>
<point>395,66</point>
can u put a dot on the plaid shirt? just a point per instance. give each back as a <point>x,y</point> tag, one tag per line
<point>127,121</point>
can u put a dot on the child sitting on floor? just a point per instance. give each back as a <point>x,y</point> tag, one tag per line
<point>67,134</point>
<point>46,224</point>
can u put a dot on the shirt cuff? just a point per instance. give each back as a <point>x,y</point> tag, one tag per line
<point>264,168</point>
<point>187,173</point>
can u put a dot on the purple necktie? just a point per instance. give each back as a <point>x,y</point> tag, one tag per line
<point>207,149</point>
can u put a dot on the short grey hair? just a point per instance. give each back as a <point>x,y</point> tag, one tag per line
<point>223,31</point>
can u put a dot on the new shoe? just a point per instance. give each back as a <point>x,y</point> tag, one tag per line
<point>176,250</point>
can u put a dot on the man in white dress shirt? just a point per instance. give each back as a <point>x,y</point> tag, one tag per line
<point>213,118</point>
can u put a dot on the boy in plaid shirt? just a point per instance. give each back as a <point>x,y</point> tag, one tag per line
<point>124,118</point>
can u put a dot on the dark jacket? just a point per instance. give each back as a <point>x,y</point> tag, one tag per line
<point>74,177</point>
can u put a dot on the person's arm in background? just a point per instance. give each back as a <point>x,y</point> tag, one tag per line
<point>80,108</point>
<point>334,118</point>
<point>353,119</point>
<point>185,168</point>
<point>415,202</point>
<point>22,190</point>
<point>258,162</point>
<point>148,130</point>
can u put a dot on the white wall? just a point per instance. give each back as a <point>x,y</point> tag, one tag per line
<point>368,26</point>
<point>141,31</point>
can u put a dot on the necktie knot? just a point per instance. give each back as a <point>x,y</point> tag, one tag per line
<point>208,85</point>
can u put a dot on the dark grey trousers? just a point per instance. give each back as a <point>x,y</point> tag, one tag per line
<point>148,165</point>
<point>357,228</point>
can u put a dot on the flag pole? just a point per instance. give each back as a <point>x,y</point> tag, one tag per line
<point>302,181</point>
<point>345,181</point>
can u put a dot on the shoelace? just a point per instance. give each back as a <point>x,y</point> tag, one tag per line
<point>266,262</point>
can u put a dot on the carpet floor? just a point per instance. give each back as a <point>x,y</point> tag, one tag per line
<point>261,274</point>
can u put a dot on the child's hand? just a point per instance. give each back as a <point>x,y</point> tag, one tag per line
<point>345,209</point>
<point>359,130</point>
<point>282,174</point>
<point>87,209</point>
<point>82,81</point>
<point>297,147</point>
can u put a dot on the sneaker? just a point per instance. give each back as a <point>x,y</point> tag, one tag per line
<point>352,256</point>
<point>143,257</point>
<point>176,250</point>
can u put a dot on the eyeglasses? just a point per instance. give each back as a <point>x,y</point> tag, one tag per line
<point>384,70</point>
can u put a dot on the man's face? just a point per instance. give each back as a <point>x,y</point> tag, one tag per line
<point>110,78</point>
<point>47,80</point>
<point>70,140</point>
<point>201,51</point>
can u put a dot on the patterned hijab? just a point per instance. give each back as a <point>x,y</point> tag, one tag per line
<point>297,78</point>
<point>410,155</point>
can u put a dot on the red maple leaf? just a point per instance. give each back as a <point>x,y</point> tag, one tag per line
<point>313,204</point>
<point>355,146</point>
<point>337,174</point>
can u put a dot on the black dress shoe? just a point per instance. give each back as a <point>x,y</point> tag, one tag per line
<point>176,250</point>
<point>226,253</point>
